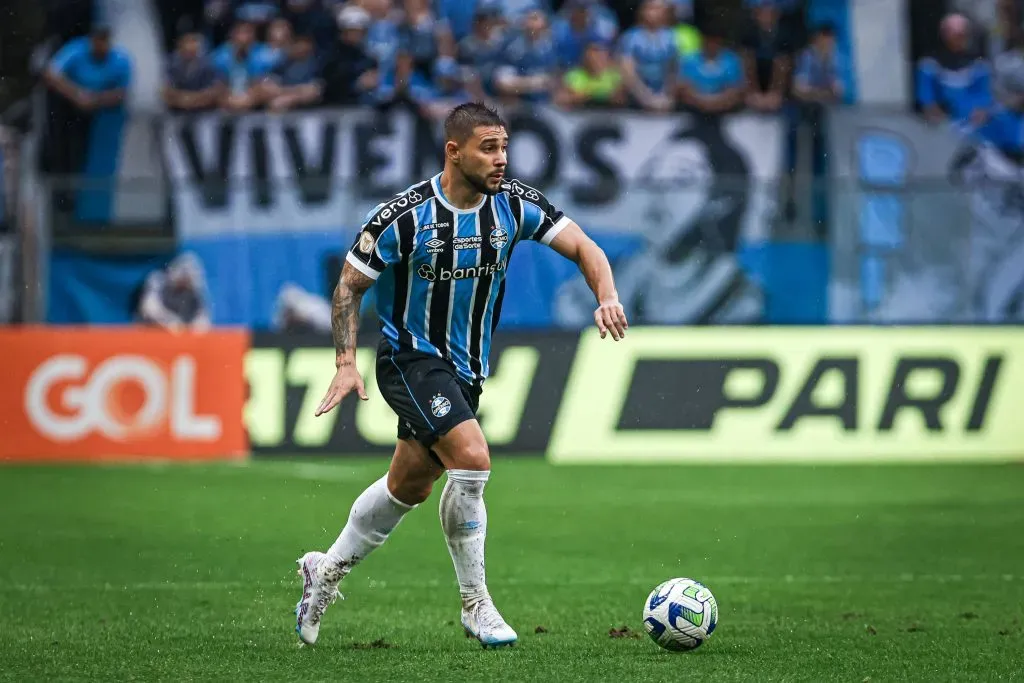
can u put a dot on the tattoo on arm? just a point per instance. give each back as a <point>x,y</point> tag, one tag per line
<point>348,296</point>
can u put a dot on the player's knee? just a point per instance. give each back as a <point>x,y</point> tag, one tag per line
<point>473,456</point>
<point>411,488</point>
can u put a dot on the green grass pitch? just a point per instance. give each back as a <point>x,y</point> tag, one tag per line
<point>830,573</point>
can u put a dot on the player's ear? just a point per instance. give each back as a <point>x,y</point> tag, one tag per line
<point>451,151</point>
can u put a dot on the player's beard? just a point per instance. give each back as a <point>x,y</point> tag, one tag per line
<point>479,184</point>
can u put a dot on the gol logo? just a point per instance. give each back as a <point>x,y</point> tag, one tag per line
<point>124,397</point>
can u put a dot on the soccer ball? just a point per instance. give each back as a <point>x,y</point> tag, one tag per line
<point>680,614</point>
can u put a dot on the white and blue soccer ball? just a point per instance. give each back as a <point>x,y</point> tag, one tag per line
<point>680,614</point>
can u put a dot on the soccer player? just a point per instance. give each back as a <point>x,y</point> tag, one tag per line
<point>438,253</point>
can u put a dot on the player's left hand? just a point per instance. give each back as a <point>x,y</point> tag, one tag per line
<point>611,317</point>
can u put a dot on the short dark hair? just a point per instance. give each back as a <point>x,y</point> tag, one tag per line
<point>715,32</point>
<point>464,119</point>
<point>825,28</point>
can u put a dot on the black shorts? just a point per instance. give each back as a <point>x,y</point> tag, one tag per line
<point>425,392</point>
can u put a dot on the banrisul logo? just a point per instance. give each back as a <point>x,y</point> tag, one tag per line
<point>428,273</point>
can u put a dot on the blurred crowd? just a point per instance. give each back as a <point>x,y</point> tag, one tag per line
<point>278,55</point>
<point>974,81</point>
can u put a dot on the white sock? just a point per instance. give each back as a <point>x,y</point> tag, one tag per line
<point>464,520</point>
<point>373,516</point>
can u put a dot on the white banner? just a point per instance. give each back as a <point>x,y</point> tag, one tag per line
<point>609,170</point>
<point>674,197</point>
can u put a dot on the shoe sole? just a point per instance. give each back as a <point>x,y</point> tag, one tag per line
<point>495,645</point>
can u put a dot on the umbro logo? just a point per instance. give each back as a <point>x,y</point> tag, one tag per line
<point>434,246</point>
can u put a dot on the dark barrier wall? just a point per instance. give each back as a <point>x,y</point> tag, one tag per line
<point>288,375</point>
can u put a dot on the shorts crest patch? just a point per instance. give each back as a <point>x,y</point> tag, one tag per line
<point>440,406</point>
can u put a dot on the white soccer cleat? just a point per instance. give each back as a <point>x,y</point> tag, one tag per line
<point>319,589</point>
<point>483,622</point>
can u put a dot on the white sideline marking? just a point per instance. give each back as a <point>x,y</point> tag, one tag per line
<point>432,583</point>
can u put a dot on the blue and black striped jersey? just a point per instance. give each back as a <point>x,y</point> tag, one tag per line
<point>440,270</point>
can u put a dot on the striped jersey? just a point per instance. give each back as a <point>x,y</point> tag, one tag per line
<point>440,270</point>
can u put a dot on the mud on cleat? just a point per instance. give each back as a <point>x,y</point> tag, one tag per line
<point>319,590</point>
<point>483,622</point>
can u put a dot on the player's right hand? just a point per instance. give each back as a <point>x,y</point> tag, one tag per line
<point>610,316</point>
<point>345,380</point>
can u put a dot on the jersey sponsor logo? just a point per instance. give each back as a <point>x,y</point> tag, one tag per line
<point>434,246</point>
<point>443,225</point>
<point>365,242</point>
<point>499,237</point>
<point>427,272</point>
<point>396,206</point>
<point>520,191</point>
<point>473,242</point>
<point>440,406</point>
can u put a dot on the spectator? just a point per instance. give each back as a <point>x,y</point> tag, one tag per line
<point>1005,127</point>
<point>768,48</point>
<point>1008,71</point>
<point>649,58</point>
<point>816,84</point>
<point>90,73</point>
<point>423,38</point>
<point>597,82</point>
<point>711,81</point>
<point>279,40</point>
<point>531,65</point>
<point>1006,27</point>
<point>258,12</point>
<point>447,89</point>
<point>295,82</point>
<point>483,49</point>
<point>383,39</point>
<point>175,298</point>
<point>309,17</point>
<point>686,33</point>
<point>219,17</point>
<point>515,11</point>
<point>88,77</point>
<point>350,73</point>
<point>603,21</point>
<point>461,15</point>
<point>954,83</point>
<point>817,80</point>
<point>192,82</point>
<point>578,26</point>
<point>243,64</point>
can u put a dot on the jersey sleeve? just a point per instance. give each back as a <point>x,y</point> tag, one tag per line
<point>66,56</point>
<point>123,74</point>
<point>377,245</point>
<point>539,220</point>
